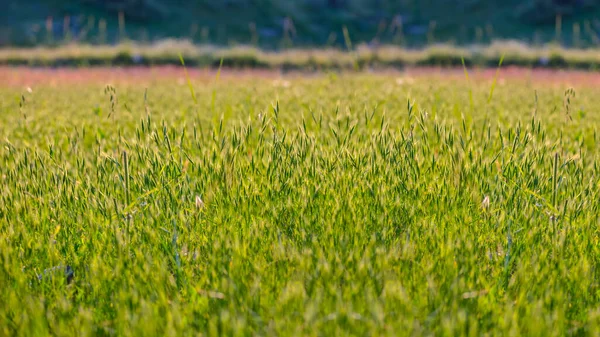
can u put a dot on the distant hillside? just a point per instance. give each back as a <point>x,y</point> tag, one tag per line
<point>282,23</point>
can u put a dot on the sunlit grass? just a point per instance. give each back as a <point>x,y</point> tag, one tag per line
<point>340,204</point>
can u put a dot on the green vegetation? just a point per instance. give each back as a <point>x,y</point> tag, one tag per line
<point>300,23</point>
<point>332,205</point>
<point>361,57</point>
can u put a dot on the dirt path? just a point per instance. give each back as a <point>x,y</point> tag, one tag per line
<point>537,76</point>
<point>24,76</point>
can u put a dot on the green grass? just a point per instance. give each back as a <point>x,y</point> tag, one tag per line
<point>332,205</point>
<point>359,58</point>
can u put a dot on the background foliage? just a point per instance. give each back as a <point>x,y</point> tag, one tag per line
<point>278,23</point>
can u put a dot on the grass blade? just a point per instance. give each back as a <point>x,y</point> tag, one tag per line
<point>214,92</point>
<point>495,79</point>
<point>189,81</point>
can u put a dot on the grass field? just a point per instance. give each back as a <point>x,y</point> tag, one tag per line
<point>334,204</point>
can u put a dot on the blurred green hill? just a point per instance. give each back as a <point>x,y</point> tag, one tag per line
<point>274,24</point>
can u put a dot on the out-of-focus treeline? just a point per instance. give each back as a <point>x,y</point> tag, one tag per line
<point>316,23</point>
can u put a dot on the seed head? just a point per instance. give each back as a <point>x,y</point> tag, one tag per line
<point>199,202</point>
<point>486,202</point>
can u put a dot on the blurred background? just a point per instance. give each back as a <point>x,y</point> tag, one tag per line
<point>276,24</point>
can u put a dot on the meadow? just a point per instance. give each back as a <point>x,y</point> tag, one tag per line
<point>329,204</point>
